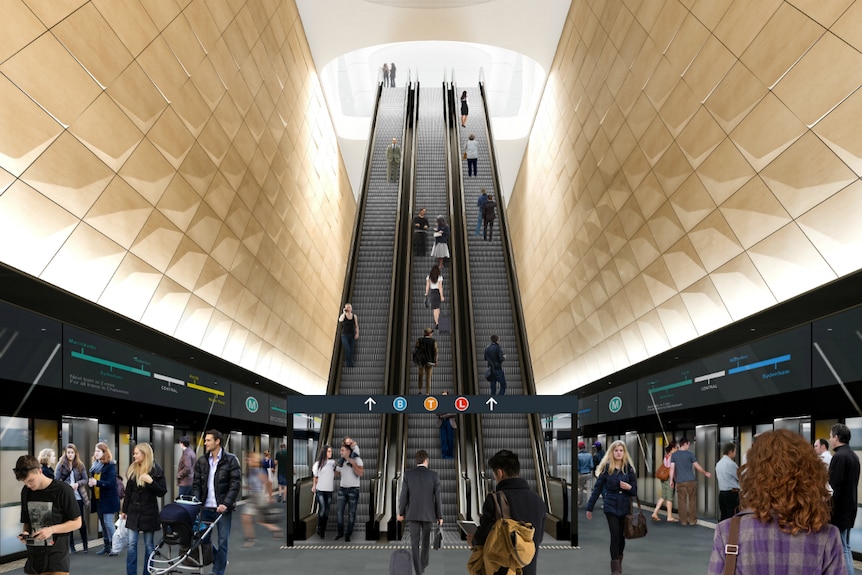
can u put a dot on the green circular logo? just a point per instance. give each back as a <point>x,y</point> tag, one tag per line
<point>615,404</point>
<point>251,404</point>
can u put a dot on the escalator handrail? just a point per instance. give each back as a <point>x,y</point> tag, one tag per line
<point>526,364</point>
<point>467,349</point>
<point>393,354</point>
<point>334,382</point>
<point>461,305</point>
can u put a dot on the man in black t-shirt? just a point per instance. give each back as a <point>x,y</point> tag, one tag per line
<point>49,513</point>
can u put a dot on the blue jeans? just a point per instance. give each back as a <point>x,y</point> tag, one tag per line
<point>498,376</point>
<point>106,520</point>
<point>471,166</point>
<point>349,495</point>
<point>324,500</point>
<point>447,440</point>
<point>184,490</point>
<point>223,527</point>
<point>348,343</point>
<point>479,222</point>
<point>848,554</point>
<point>132,556</point>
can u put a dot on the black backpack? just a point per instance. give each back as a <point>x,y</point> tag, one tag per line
<point>419,353</point>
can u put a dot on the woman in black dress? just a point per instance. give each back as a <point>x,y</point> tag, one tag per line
<point>434,292</point>
<point>465,109</point>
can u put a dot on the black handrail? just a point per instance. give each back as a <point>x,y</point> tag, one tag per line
<point>528,380</point>
<point>466,349</point>
<point>400,335</point>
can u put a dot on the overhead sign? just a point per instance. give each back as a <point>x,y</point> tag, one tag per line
<point>777,364</point>
<point>433,403</point>
<point>30,347</point>
<point>100,366</point>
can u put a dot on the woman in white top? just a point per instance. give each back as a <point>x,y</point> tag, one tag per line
<point>434,292</point>
<point>324,484</point>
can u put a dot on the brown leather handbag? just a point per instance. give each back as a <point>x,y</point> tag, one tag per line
<point>634,524</point>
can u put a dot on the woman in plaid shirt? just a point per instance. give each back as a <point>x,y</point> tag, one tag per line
<point>784,524</point>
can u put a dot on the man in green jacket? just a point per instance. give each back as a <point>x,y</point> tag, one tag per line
<point>393,161</point>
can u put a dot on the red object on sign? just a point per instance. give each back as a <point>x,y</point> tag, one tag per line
<point>461,404</point>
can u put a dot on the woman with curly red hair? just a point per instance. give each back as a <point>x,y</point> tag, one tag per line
<point>784,525</point>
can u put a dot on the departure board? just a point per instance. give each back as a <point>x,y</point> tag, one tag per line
<point>837,347</point>
<point>778,364</point>
<point>277,411</point>
<point>100,366</point>
<point>30,347</point>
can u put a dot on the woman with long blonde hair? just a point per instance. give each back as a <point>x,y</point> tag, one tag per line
<point>618,483</point>
<point>145,483</point>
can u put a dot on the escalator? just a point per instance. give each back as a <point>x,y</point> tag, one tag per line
<point>495,310</point>
<point>431,192</point>
<point>370,286</point>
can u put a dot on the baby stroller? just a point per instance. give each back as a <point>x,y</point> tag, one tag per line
<point>184,529</point>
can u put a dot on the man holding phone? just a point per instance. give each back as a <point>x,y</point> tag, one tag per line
<point>49,513</point>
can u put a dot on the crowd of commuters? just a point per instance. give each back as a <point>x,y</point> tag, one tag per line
<point>788,508</point>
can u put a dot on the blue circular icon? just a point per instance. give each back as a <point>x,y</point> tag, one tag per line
<point>399,403</point>
<point>615,404</point>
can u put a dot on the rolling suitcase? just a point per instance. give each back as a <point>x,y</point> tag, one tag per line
<point>401,563</point>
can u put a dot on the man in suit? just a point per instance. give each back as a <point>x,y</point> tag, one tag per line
<point>420,505</point>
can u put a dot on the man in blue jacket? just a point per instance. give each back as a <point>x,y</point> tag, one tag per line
<point>218,484</point>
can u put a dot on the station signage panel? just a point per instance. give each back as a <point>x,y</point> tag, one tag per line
<point>618,403</point>
<point>588,408</point>
<point>432,404</point>
<point>778,364</point>
<point>836,348</point>
<point>277,411</point>
<point>249,403</point>
<point>93,364</point>
<point>30,347</point>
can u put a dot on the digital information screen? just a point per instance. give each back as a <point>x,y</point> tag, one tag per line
<point>618,403</point>
<point>432,404</point>
<point>837,347</point>
<point>249,404</point>
<point>30,347</point>
<point>588,408</point>
<point>93,364</point>
<point>777,364</point>
<point>277,411</point>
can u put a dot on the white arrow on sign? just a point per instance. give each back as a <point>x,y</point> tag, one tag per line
<point>491,403</point>
<point>369,402</point>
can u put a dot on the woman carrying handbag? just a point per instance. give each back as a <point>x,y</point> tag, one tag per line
<point>618,481</point>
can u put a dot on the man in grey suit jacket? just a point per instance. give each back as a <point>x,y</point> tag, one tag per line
<point>421,506</point>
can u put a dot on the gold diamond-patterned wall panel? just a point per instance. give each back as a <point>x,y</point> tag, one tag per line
<point>174,162</point>
<point>729,169</point>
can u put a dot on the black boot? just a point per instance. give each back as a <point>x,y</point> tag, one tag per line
<point>615,567</point>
